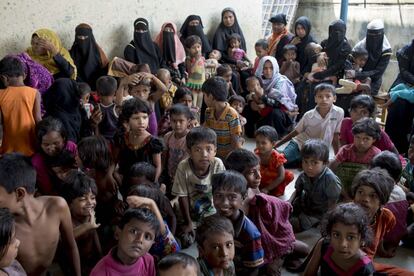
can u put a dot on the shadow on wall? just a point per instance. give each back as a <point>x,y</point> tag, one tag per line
<point>119,38</point>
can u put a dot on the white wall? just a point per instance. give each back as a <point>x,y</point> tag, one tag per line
<point>112,20</point>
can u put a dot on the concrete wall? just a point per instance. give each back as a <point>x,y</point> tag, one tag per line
<point>112,20</point>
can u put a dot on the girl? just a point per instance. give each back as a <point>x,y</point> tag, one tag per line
<point>194,26</point>
<point>52,141</point>
<point>346,230</point>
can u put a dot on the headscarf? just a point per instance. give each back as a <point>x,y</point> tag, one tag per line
<point>87,55</point>
<point>222,33</point>
<point>268,84</point>
<point>274,39</point>
<point>337,41</point>
<point>301,46</point>
<point>187,30</point>
<point>375,42</point>
<point>47,60</point>
<point>171,47</point>
<point>62,101</point>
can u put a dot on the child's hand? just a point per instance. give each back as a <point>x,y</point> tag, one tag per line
<point>96,116</point>
<point>139,201</point>
<point>92,221</point>
<point>259,92</point>
<point>163,188</point>
<point>132,79</point>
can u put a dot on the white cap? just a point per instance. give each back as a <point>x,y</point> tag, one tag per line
<point>376,24</point>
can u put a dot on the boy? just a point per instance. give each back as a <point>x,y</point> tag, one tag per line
<point>229,189</point>
<point>221,117</point>
<point>261,47</point>
<point>192,181</point>
<point>290,67</point>
<point>135,234</point>
<point>317,188</point>
<point>167,98</point>
<point>106,87</point>
<point>322,122</point>
<point>40,221</point>
<point>215,240</point>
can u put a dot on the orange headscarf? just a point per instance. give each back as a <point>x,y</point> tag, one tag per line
<point>273,40</point>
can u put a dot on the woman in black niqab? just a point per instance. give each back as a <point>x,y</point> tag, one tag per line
<point>190,28</point>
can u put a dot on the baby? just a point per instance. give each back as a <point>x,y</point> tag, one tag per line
<point>212,63</point>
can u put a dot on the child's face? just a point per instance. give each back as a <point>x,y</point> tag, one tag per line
<point>12,201</point>
<point>62,172</point>
<point>140,91</point>
<point>227,76</point>
<point>238,106</point>
<point>52,143</point>
<point>268,70</point>
<point>138,122</point>
<point>361,60</point>
<point>227,203</point>
<point>85,98</point>
<point>358,113</point>
<point>11,253</point>
<point>83,206</point>
<point>179,124</point>
<point>411,153</point>
<point>202,155</point>
<point>179,269</point>
<point>312,167</point>
<point>290,55</point>
<point>345,240</point>
<point>215,54</point>
<point>218,250</point>
<point>195,50</point>
<point>300,31</point>
<point>253,176</point>
<point>186,100</point>
<point>234,43</point>
<point>253,85</point>
<point>134,240</point>
<point>208,99</point>
<point>260,52</point>
<point>363,142</point>
<point>165,78</point>
<point>193,123</point>
<point>368,199</point>
<point>264,145</point>
<point>325,99</point>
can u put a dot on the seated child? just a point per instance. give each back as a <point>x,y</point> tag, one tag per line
<point>356,62</point>
<point>215,242</point>
<point>345,231</point>
<point>407,179</point>
<point>255,88</point>
<point>221,117</point>
<point>178,264</point>
<point>238,103</point>
<point>212,63</point>
<point>317,188</point>
<point>322,122</point>
<point>354,157</point>
<point>290,67</point>
<point>166,99</point>
<point>229,190</point>
<point>40,221</point>
<point>261,47</point>
<point>274,176</point>
<point>80,193</point>
<point>227,74</point>
<point>135,234</point>
<point>192,181</point>
<point>233,48</point>
<point>320,65</point>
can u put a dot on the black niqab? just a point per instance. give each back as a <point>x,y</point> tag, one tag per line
<point>168,47</point>
<point>337,41</point>
<point>374,42</point>
<point>187,30</point>
<point>144,46</point>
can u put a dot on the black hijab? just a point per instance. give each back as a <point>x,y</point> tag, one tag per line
<point>222,33</point>
<point>301,46</point>
<point>187,30</point>
<point>145,50</point>
<point>337,41</point>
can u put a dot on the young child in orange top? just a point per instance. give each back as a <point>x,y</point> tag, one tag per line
<point>274,176</point>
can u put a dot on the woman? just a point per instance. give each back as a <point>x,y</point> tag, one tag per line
<point>279,38</point>
<point>142,49</point>
<point>89,58</point>
<point>379,54</point>
<point>47,49</point>
<point>194,26</point>
<point>301,40</point>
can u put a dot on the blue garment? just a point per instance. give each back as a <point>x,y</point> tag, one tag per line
<point>292,153</point>
<point>402,91</point>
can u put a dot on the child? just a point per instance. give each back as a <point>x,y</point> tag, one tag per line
<point>226,73</point>
<point>317,188</point>
<point>212,63</point>
<point>345,231</point>
<point>80,193</point>
<point>178,264</point>
<point>255,88</point>
<point>167,98</point>
<point>17,133</point>
<point>229,190</point>
<point>233,48</point>
<point>290,67</point>
<point>261,47</point>
<point>322,122</point>
<point>40,221</point>
<point>356,63</point>
<point>238,103</point>
<point>354,157</point>
<point>221,117</point>
<point>215,240</point>
<point>192,178</point>
<point>195,68</point>
<point>106,87</point>
<point>135,234</point>
<point>274,176</point>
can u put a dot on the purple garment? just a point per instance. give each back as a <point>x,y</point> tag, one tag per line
<point>153,124</point>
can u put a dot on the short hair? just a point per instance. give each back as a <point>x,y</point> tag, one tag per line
<point>229,180</point>
<point>359,51</point>
<point>180,109</point>
<point>376,178</point>
<point>213,224</point>
<point>141,214</point>
<point>388,161</point>
<point>144,169</point>
<point>268,132</point>
<point>7,228</point>
<point>349,214</point>
<point>180,93</point>
<point>11,67</point>
<point>106,86</point>
<point>133,106</point>
<point>315,148</point>
<point>94,152</point>
<point>77,184</point>
<point>234,36</point>
<point>289,47</point>
<point>199,135</point>
<point>217,87</point>
<point>363,101</point>
<point>325,86</point>
<point>16,171</point>
<point>368,126</point>
<point>162,71</point>
<point>47,125</point>
<point>256,78</point>
<point>143,67</point>
<point>241,159</point>
<point>223,69</point>
<point>237,98</point>
<point>83,89</point>
<point>191,40</point>
<point>178,258</point>
<point>262,43</point>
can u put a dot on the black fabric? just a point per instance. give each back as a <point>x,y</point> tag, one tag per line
<point>65,68</point>
<point>301,46</point>
<point>168,47</point>
<point>374,41</point>
<point>279,18</point>
<point>279,48</point>
<point>61,101</point>
<point>222,33</point>
<point>187,30</point>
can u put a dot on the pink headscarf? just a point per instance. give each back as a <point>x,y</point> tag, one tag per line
<point>179,48</point>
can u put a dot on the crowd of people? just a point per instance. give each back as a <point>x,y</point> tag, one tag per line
<point>117,166</point>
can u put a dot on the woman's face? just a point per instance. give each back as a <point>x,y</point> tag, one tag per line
<point>228,19</point>
<point>278,28</point>
<point>37,47</point>
<point>268,70</point>
<point>194,22</point>
<point>300,31</point>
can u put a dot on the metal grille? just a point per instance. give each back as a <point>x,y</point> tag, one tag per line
<point>272,7</point>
